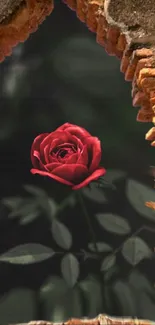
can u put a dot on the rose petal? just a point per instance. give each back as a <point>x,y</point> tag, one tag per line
<point>72,159</point>
<point>95,175</point>
<point>37,163</point>
<point>78,143</point>
<point>52,166</point>
<point>57,143</point>
<point>94,150</point>
<point>78,131</point>
<point>63,126</point>
<point>36,144</point>
<point>46,154</point>
<point>57,178</point>
<point>61,135</point>
<point>71,172</point>
<point>83,156</point>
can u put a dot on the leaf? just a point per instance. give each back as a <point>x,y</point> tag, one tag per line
<point>113,223</point>
<point>101,246</point>
<point>51,294</point>
<point>107,297</point>
<point>47,204</point>
<point>135,250</point>
<point>70,269</point>
<point>113,175</point>
<point>53,288</point>
<point>137,195</point>
<point>104,184</point>
<point>146,306</point>
<point>95,194</point>
<point>125,297</point>
<point>71,304</point>
<point>69,201</point>
<point>61,234</point>
<point>110,272</point>
<point>34,190</point>
<point>50,207</point>
<point>91,288</point>
<point>140,282</point>
<point>12,202</point>
<point>60,302</point>
<point>17,305</point>
<point>27,207</point>
<point>108,262</point>
<point>29,217</point>
<point>27,254</point>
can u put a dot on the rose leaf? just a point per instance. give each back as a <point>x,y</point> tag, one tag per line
<point>27,254</point>
<point>61,234</point>
<point>113,223</point>
<point>70,269</point>
<point>137,195</point>
<point>135,250</point>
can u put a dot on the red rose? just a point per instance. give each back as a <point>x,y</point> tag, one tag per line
<point>69,155</point>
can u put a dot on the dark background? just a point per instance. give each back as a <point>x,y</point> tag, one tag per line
<point>60,74</point>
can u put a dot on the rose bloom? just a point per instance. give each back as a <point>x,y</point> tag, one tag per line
<point>70,155</point>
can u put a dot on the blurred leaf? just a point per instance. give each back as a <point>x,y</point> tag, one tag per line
<point>101,246</point>
<point>107,297</point>
<point>95,194</point>
<point>52,293</point>
<point>108,262</point>
<point>27,254</point>
<point>29,217</point>
<point>145,306</point>
<point>103,183</point>
<point>126,298</point>
<point>14,77</point>
<point>91,288</point>
<point>17,306</point>
<point>53,288</point>
<point>70,306</point>
<point>27,212</point>
<point>60,302</point>
<point>137,195</point>
<point>140,282</point>
<point>34,190</point>
<point>61,234</point>
<point>50,207</point>
<point>12,202</point>
<point>70,200</point>
<point>135,250</point>
<point>110,272</point>
<point>56,313</point>
<point>113,223</point>
<point>26,209</point>
<point>70,269</point>
<point>114,175</point>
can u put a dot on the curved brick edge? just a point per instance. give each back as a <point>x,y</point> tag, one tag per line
<point>137,60</point>
<point>22,23</point>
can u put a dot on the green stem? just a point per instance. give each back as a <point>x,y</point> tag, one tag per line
<point>87,220</point>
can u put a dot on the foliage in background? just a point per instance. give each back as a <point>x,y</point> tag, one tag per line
<point>61,295</point>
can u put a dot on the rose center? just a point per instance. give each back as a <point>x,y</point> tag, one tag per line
<point>63,151</point>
